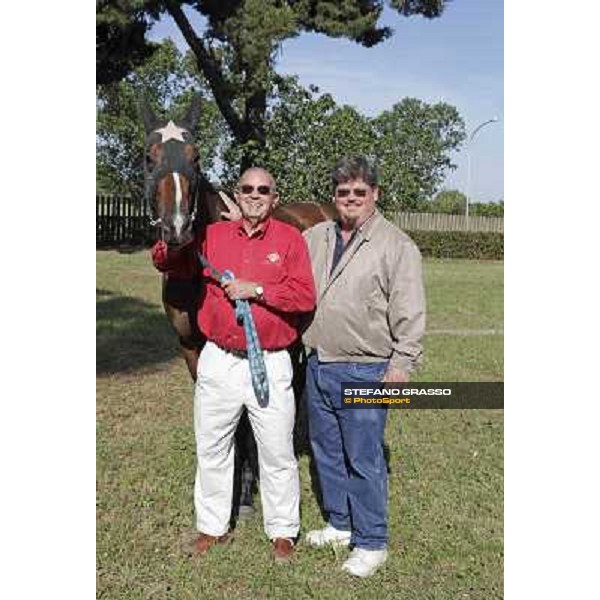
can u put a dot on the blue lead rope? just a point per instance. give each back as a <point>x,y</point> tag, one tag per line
<point>243,314</point>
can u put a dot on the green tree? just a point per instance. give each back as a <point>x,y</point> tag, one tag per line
<point>308,133</point>
<point>449,202</point>
<point>236,49</point>
<point>415,140</point>
<point>487,209</point>
<point>120,40</point>
<point>165,80</point>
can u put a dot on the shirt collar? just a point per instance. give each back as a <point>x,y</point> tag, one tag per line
<point>259,232</point>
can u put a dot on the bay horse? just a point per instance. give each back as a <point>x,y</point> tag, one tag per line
<point>183,202</point>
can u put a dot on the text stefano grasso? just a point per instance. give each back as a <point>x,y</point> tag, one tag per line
<point>382,391</point>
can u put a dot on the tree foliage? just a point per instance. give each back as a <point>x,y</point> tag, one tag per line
<point>487,209</point>
<point>307,133</point>
<point>166,80</point>
<point>415,142</point>
<point>236,50</point>
<point>453,202</point>
<point>121,44</point>
<point>449,202</point>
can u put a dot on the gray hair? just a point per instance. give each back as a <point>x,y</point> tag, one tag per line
<point>355,167</point>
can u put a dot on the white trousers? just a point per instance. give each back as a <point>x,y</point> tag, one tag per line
<point>223,388</point>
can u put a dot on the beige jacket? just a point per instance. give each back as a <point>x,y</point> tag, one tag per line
<point>373,306</point>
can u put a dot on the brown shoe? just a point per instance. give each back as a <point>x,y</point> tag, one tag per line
<point>283,549</point>
<point>203,542</point>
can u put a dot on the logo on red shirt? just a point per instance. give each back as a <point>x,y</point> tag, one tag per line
<point>273,257</point>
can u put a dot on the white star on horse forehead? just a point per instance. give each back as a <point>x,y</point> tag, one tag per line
<point>171,132</point>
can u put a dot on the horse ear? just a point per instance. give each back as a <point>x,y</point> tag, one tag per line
<point>192,116</point>
<point>151,121</point>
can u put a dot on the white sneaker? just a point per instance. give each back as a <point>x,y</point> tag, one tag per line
<point>328,535</point>
<point>363,563</point>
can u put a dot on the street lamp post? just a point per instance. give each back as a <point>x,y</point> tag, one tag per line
<point>475,131</point>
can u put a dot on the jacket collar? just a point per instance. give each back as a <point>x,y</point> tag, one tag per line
<point>365,231</point>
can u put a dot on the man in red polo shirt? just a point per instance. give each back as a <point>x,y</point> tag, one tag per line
<point>272,270</point>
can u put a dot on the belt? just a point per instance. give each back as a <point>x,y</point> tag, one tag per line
<point>234,352</point>
<point>243,353</point>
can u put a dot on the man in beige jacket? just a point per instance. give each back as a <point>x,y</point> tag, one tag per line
<point>368,326</point>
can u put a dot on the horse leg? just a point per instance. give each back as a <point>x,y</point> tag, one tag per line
<point>179,300</point>
<point>246,469</point>
<point>190,352</point>
<point>298,357</point>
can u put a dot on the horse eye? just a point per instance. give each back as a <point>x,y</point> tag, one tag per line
<point>154,154</point>
<point>191,154</point>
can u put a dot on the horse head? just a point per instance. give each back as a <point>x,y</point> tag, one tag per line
<point>172,173</point>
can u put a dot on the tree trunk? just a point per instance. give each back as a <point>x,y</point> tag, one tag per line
<point>254,125</point>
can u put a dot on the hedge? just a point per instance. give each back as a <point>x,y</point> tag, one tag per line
<point>460,244</point>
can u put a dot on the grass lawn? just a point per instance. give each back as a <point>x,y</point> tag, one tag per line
<point>446,466</point>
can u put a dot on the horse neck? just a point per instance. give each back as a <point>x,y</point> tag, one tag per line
<point>206,211</point>
<point>209,206</point>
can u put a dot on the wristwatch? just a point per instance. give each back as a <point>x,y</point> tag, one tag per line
<point>259,291</point>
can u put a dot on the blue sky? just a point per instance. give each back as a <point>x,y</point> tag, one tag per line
<point>458,58</point>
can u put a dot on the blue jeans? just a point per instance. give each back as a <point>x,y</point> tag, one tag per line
<point>347,446</point>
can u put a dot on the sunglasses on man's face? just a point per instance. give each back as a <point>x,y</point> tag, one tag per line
<point>345,192</point>
<point>263,190</point>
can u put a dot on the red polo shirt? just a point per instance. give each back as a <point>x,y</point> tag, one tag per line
<point>275,257</point>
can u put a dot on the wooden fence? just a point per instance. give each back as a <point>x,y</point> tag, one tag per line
<point>441,222</point>
<point>124,219</point>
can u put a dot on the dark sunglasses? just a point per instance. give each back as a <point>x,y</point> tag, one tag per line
<point>263,190</point>
<point>345,192</point>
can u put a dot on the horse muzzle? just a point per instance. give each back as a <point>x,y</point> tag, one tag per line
<point>177,235</point>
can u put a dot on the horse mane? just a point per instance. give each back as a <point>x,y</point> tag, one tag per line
<point>210,201</point>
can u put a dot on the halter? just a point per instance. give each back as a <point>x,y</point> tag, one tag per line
<point>171,136</point>
<point>158,221</point>
<point>151,182</point>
